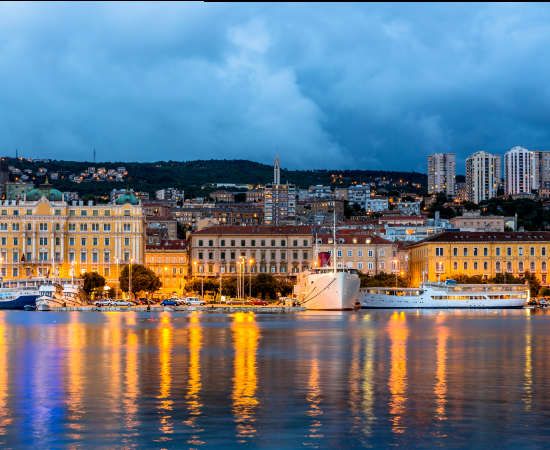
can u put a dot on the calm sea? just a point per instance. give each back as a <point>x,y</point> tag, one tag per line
<point>368,379</point>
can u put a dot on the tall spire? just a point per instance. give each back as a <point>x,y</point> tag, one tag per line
<point>277,169</point>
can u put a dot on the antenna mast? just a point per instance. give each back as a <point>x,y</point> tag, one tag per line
<point>94,155</point>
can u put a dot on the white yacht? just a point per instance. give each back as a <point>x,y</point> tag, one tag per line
<point>51,295</point>
<point>327,288</point>
<point>446,295</point>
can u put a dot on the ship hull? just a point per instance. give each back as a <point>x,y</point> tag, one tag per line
<point>19,302</point>
<point>433,299</point>
<point>331,292</point>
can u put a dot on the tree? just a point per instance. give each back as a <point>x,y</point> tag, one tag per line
<point>182,229</point>
<point>143,279</point>
<point>263,284</point>
<point>208,284</point>
<point>93,283</point>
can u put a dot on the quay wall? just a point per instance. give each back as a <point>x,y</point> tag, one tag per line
<point>210,309</point>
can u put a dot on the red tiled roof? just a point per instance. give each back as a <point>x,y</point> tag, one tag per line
<point>488,237</point>
<point>173,244</point>
<point>255,230</point>
<point>348,239</point>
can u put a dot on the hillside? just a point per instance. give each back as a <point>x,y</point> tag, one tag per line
<point>191,175</point>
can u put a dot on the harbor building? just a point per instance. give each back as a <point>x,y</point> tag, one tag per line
<point>168,259</point>
<point>441,173</point>
<point>487,254</point>
<point>483,175</point>
<point>45,231</point>
<point>365,252</point>
<point>282,251</point>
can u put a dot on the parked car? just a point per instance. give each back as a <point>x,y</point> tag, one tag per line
<point>194,301</point>
<point>236,301</point>
<point>257,302</point>
<point>120,303</point>
<point>543,302</point>
<point>140,301</point>
<point>105,302</point>
<point>170,302</point>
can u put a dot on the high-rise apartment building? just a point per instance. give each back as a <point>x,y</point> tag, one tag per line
<point>540,169</point>
<point>279,199</point>
<point>483,172</point>
<point>517,171</point>
<point>441,173</point>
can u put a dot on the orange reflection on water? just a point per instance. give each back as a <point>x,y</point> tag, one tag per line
<point>112,339</point>
<point>528,388</point>
<point>441,384</point>
<point>165,406</point>
<point>398,332</point>
<point>314,399</point>
<point>5,418</point>
<point>194,383</point>
<point>131,395</point>
<point>75,341</point>
<point>246,336</point>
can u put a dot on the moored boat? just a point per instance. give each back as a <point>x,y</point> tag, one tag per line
<point>18,293</point>
<point>51,295</point>
<point>446,295</point>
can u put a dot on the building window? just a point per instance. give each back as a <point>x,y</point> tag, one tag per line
<point>475,251</point>
<point>370,253</point>
<point>126,241</point>
<point>520,251</point>
<point>83,212</point>
<point>360,265</point>
<point>273,242</point>
<point>253,243</point>
<point>533,266</point>
<point>222,243</point>
<point>509,266</point>
<point>455,251</point>
<point>232,242</point>
<point>83,257</point>
<point>382,265</point>
<point>83,227</point>
<point>382,253</point>
<point>273,269</point>
<point>83,242</point>
<point>520,266</point>
<point>465,251</point>
<point>465,265</point>
<point>485,251</point>
<point>305,242</point>
<point>232,255</point>
<point>360,253</point>
<point>295,242</point>
<point>543,251</point>
<point>543,265</point>
<point>210,255</point>
<point>439,251</point>
<point>455,265</point>
<point>273,255</point>
<point>262,269</point>
<point>283,243</point>
<point>339,253</point>
<point>350,253</point>
<point>283,268</point>
<point>283,255</point>
<point>94,241</point>
<point>95,257</point>
<point>371,266</point>
<point>475,265</point>
<point>485,265</point>
<point>509,251</point>
<point>200,255</point>
<point>497,265</point>
<point>532,250</point>
<point>497,251</point>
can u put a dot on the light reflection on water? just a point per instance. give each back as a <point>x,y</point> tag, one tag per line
<point>368,379</point>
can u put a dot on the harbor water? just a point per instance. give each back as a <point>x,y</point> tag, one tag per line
<point>358,379</point>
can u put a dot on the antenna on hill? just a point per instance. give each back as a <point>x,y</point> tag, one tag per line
<point>16,154</point>
<point>94,155</point>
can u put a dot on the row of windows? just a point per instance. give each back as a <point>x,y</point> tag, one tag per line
<point>440,251</point>
<point>173,270</point>
<point>71,227</point>
<point>283,268</point>
<point>72,212</point>
<point>44,255</point>
<point>233,255</point>
<point>370,253</point>
<point>440,266</point>
<point>159,260</point>
<point>233,243</point>
<point>72,240</point>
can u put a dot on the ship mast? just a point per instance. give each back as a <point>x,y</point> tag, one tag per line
<point>334,241</point>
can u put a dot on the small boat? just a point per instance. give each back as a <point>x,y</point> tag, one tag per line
<point>51,295</point>
<point>30,308</point>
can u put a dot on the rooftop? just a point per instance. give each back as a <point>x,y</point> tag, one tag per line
<point>488,237</point>
<point>255,230</point>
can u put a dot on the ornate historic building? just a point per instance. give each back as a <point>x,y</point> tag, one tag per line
<point>43,231</point>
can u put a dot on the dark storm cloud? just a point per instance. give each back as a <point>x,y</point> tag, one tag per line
<point>340,86</point>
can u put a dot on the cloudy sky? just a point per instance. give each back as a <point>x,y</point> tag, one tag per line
<point>329,86</point>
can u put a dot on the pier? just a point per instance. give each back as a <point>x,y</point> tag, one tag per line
<point>209,309</point>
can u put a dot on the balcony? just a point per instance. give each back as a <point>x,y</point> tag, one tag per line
<point>498,270</point>
<point>544,271</point>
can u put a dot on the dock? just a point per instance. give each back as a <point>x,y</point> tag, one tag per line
<point>206,309</point>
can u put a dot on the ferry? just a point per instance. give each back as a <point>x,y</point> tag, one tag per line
<point>16,294</point>
<point>448,294</point>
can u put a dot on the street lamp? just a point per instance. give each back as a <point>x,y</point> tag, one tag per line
<point>117,278</point>
<point>165,269</point>
<point>250,278</point>
<point>130,280</point>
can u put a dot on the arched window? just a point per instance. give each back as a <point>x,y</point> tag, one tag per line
<point>455,265</point>
<point>475,265</point>
<point>532,265</point>
<point>543,265</point>
<point>509,265</point>
<point>498,265</point>
<point>520,265</point>
<point>465,265</point>
<point>485,265</point>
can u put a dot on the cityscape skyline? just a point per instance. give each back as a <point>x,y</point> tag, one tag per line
<point>246,80</point>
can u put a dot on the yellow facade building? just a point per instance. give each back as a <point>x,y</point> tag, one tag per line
<point>487,254</point>
<point>170,263</point>
<point>43,232</point>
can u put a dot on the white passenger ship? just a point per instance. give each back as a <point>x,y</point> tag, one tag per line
<point>446,295</point>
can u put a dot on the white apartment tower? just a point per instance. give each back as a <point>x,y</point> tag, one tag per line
<point>540,169</point>
<point>277,170</point>
<point>518,171</point>
<point>483,172</point>
<point>441,173</point>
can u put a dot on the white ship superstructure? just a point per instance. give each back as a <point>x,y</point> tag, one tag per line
<point>446,295</point>
<point>18,293</point>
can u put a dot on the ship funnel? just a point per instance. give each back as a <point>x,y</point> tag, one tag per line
<point>324,259</point>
